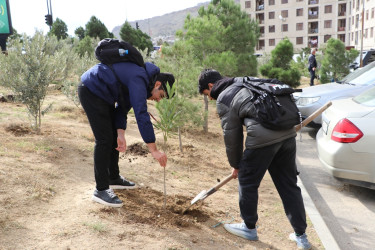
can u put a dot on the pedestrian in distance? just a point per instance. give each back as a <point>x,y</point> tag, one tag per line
<point>107,93</point>
<point>312,66</point>
<point>265,149</point>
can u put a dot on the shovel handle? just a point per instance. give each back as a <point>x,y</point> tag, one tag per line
<point>222,183</point>
<point>312,116</point>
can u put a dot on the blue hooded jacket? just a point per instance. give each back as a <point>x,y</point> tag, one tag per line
<point>101,81</point>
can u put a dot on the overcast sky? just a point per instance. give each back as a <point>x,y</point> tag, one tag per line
<point>28,15</point>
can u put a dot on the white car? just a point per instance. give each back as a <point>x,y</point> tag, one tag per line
<point>346,140</point>
<point>314,97</point>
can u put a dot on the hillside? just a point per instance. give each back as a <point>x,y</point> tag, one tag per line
<point>165,25</point>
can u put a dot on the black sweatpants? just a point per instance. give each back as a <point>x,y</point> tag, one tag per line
<point>279,159</point>
<point>101,117</point>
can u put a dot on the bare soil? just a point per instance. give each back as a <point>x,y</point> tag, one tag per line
<point>47,180</point>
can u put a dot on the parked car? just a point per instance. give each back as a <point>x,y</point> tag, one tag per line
<point>312,98</point>
<point>367,57</point>
<point>346,140</point>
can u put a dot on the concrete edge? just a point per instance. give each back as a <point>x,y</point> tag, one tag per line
<point>320,226</point>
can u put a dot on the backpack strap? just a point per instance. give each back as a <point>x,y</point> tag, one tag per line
<point>121,96</point>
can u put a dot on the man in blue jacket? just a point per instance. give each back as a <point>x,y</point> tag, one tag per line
<point>107,103</point>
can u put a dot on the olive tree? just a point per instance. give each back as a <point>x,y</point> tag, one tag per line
<point>32,64</point>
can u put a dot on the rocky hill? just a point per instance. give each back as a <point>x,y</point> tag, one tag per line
<point>166,25</point>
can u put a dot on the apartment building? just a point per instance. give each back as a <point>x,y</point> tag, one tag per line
<point>310,23</point>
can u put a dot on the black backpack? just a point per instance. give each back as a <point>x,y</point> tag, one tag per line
<point>110,51</point>
<point>274,103</point>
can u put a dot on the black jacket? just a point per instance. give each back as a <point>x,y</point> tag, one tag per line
<point>312,62</point>
<point>236,110</point>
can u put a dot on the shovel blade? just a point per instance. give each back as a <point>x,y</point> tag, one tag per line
<point>202,195</point>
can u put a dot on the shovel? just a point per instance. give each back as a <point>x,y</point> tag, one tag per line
<point>204,194</point>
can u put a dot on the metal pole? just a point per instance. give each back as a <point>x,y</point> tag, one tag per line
<point>362,32</point>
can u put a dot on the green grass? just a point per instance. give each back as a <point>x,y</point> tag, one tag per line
<point>96,226</point>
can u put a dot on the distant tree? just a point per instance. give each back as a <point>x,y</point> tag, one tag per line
<point>29,74</point>
<point>336,60</point>
<point>95,28</point>
<point>239,34</point>
<point>279,66</point>
<point>80,33</point>
<point>15,35</point>
<point>86,47</point>
<point>135,37</point>
<point>59,29</point>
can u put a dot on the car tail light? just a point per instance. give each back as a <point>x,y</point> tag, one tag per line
<point>346,132</point>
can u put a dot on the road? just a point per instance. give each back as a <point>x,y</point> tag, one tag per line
<point>348,211</point>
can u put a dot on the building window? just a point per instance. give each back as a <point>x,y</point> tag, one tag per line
<point>299,40</point>
<point>372,32</point>
<point>328,24</point>
<point>326,38</point>
<point>247,4</point>
<point>372,12</point>
<point>299,12</point>
<point>271,15</point>
<point>328,9</point>
<point>271,42</point>
<point>284,13</point>
<point>271,2</point>
<point>271,28</point>
<point>284,1</point>
<point>284,27</point>
<point>367,14</point>
<point>299,26</point>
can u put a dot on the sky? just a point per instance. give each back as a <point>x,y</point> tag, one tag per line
<point>28,15</point>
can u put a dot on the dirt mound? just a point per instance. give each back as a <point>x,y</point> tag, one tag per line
<point>146,206</point>
<point>137,149</point>
<point>18,129</point>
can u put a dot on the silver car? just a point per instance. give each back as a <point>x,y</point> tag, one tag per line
<point>346,140</point>
<point>312,98</point>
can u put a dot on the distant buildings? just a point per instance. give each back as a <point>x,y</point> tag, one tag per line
<point>310,23</point>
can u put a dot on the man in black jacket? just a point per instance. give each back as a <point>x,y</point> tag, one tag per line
<point>265,149</point>
<point>312,66</point>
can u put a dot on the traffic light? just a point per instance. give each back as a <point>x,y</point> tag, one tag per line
<point>136,25</point>
<point>49,20</point>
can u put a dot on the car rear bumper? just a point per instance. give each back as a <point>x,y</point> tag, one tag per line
<point>342,162</point>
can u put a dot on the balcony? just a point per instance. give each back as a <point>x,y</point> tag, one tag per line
<point>313,31</point>
<point>313,13</point>
<point>313,42</point>
<point>340,29</point>
<point>313,1</point>
<point>259,5</point>
<point>260,18</point>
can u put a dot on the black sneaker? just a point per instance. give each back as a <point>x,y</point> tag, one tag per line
<point>121,183</point>
<point>107,197</point>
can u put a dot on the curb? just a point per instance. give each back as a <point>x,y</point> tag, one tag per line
<point>320,226</point>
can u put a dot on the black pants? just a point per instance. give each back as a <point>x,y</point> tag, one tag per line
<point>312,77</point>
<point>101,117</point>
<point>279,160</point>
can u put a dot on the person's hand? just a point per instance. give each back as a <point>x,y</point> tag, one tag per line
<point>160,157</point>
<point>235,173</point>
<point>121,142</point>
<point>313,69</point>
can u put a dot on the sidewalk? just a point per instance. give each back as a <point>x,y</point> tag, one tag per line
<point>320,226</point>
